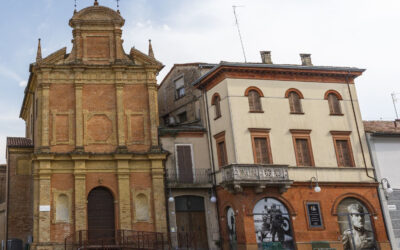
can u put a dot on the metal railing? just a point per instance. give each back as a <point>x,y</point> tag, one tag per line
<point>195,176</point>
<point>116,239</point>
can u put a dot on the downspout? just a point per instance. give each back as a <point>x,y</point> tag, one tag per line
<point>358,129</point>
<point>214,178</point>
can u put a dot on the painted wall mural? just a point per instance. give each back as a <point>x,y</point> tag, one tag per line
<point>231,224</point>
<point>272,224</point>
<point>355,225</point>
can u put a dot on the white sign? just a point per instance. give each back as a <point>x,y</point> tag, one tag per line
<point>392,207</point>
<point>44,208</point>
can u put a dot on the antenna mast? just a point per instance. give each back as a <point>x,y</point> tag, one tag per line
<point>238,28</point>
<point>394,99</point>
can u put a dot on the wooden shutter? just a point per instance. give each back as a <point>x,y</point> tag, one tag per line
<point>303,152</point>
<point>295,103</point>
<point>101,220</point>
<point>217,107</point>
<point>222,161</point>
<point>334,104</point>
<point>344,154</point>
<point>254,101</point>
<point>185,166</point>
<point>261,148</point>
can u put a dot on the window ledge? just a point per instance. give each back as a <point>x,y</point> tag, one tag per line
<point>256,111</point>
<point>333,114</point>
<point>297,113</point>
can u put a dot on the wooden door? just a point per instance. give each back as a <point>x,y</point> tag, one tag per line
<point>191,223</point>
<point>101,220</point>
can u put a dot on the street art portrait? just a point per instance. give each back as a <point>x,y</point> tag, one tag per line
<point>231,224</point>
<point>355,225</point>
<point>272,225</point>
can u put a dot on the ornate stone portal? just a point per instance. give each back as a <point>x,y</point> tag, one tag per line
<point>92,115</point>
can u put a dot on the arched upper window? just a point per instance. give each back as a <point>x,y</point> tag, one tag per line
<point>333,98</point>
<point>294,97</point>
<point>254,95</point>
<point>216,101</point>
<point>355,225</point>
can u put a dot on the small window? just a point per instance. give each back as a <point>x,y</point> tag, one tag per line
<point>184,163</point>
<point>294,97</point>
<point>254,101</point>
<point>261,146</point>
<point>216,102</point>
<point>182,117</point>
<point>302,147</point>
<point>333,98</point>
<point>179,88</point>
<point>343,150</point>
<point>221,149</point>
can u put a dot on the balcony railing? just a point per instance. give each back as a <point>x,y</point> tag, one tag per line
<point>196,176</point>
<point>239,175</point>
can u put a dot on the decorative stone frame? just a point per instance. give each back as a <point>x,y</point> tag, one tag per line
<point>87,115</point>
<point>343,136</point>
<point>147,193</point>
<point>322,228</point>
<point>302,134</point>
<point>261,133</point>
<point>70,140</point>
<point>57,193</point>
<point>130,140</point>
<point>110,48</point>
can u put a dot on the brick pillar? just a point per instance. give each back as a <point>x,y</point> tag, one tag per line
<point>153,106</point>
<point>80,195</point>
<point>45,114</point>
<point>44,200</point>
<point>120,110</point>
<point>157,171</point>
<point>125,219</point>
<point>36,189</point>
<point>78,110</point>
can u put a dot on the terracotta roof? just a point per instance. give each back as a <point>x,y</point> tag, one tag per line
<point>383,127</point>
<point>19,142</point>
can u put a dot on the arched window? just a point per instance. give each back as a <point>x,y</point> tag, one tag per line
<point>333,98</point>
<point>254,95</point>
<point>216,102</point>
<point>141,208</point>
<point>355,225</point>
<point>272,223</point>
<point>62,208</point>
<point>294,97</point>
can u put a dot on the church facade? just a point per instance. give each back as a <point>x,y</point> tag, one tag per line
<point>91,158</point>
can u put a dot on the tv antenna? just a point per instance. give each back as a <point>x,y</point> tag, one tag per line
<point>75,5</point>
<point>118,5</point>
<point>238,28</point>
<point>394,99</point>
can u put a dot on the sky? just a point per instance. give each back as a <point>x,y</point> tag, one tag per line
<point>357,33</point>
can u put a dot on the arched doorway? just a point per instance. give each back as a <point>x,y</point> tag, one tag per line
<point>272,225</point>
<point>191,222</point>
<point>101,217</point>
<point>355,225</point>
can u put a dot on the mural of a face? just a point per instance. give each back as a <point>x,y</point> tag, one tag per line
<point>231,223</point>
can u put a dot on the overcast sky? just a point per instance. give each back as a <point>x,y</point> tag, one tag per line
<point>357,33</point>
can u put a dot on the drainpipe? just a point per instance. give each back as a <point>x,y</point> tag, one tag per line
<point>214,178</point>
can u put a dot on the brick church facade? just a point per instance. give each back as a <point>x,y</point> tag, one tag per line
<point>90,159</point>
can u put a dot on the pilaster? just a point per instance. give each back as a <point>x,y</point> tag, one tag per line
<point>80,193</point>
<point>78,110</point>
<point>157,172</point>
<point>125,218</point>
<point>119,85</point>
<point>152,92</point>
<point>44,200</point>
<point>45,88</point>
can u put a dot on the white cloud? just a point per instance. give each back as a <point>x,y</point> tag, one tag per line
<point>23,83</point>
<point>8,73</point>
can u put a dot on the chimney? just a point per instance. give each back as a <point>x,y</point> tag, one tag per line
<point>266,57</point>
<point>306,60</point>
<point>397,123</point>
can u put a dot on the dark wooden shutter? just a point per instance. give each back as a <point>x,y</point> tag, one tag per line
<point>254,101</point>
<point>222,161</point>
<point>101,220</point>
<point>217,107</point>
<point>185,166</point>
<point>261,148</point>
<point>334,104</point>
<point>303,152</point>
<point>295,103</point>
<point>344,155</point>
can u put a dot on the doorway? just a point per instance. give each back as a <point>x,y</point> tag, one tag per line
<point>101,217</point>
<point>191,222</point>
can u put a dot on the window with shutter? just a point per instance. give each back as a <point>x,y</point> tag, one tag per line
<point>295,103</point>
<point>179,87</point>
<point>216,102</point>
<point>254,101</point>
<point>261,145</point>
<point>221,149</point>
<point>344,154</point>
<point>302,147</point>
<point>334,103</point>
<point>185,164</point>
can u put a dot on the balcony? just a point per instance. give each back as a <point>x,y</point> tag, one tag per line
<point>197,177</point>
<point>237,176</point>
